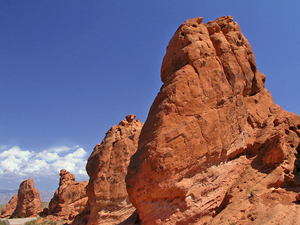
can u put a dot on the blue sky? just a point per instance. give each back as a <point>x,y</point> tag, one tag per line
<point>72,69</point>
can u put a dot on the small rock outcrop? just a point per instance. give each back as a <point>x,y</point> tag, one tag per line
<point>107,167</point>
<point>10,207</point>
<point>70,198</point>
<point>27,203</point>
<point>215,148</point>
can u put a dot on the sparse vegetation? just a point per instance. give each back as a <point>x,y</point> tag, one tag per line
<point>44,222</point>
<point>4,222</point>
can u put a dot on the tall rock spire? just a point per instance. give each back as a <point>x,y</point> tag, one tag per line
<point>212,121</point>
<point>26,203</point>
<point>107,167</point>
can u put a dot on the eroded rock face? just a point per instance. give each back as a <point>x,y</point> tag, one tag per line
<point>28,201</point>
<point>213,131</point>
<point>70,198</point>
<point>107,168</point>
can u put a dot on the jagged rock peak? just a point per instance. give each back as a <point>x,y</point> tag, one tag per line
<point>128,119</point>
<point>66,177</point>
<point>218,46</point>
<point>70,198</point>
<point>214,137</point>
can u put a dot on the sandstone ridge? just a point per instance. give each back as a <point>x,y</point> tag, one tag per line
<point>215,148</point>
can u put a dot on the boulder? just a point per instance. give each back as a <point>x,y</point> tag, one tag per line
<point>70,197</point>
<point>28,201</point>
<point>107,167</point>
<point>215,148</point>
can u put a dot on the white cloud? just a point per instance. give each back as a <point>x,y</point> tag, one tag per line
<point>16,151</point>
<point>61,149</point>
<point>18,163</point>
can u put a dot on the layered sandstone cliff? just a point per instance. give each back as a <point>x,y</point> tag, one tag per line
<point>27,203</point>
<point>107,167</point>
<point>70,198</point>
<point>215,149</point>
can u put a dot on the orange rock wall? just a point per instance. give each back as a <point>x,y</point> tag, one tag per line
<point>70,198</point>
<point>212,119</point>
<point>27,203</point>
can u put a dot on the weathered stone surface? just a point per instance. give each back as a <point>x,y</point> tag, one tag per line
<point>107,168</point>
<point>70,198</point>
<point>28,200</point>
<point>10,207</point>
<point>213,133</point>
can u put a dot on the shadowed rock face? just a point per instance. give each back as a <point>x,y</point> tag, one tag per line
<point>107,167</point>
<point>70,197</point>
<point>213,132</point>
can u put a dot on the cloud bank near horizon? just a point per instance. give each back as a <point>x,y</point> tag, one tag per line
<point>19,164</point>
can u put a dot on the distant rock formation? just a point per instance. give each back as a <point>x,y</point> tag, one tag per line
<point>26,203</point>
<point>107,167</point>
<point>6,195</point>
<point>10,207</point>
<point>70,197</point>
<point>215,149</point>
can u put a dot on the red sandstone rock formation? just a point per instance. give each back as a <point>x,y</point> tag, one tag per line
<point>10,207</point>
<point>26,203</point>
<point>70,197</point>
<point>107,168</point>
<point>215,149</point>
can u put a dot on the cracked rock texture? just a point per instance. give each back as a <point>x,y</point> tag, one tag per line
<point>27,203</point>
<point>107,167</point>
<point>215,148</point>
<point>70,198</point>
